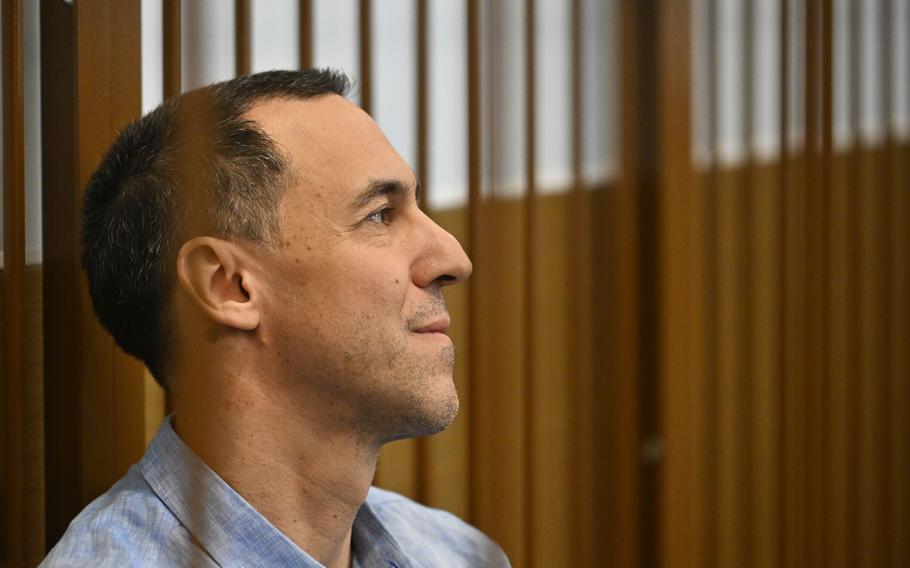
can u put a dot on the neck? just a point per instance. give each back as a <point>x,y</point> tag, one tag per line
<point>305,477</point>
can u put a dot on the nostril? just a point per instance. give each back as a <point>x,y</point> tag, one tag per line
<point>445,279</point>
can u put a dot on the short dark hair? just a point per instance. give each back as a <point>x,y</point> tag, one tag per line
<point>192,166</point>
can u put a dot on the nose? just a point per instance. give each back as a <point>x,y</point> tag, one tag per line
<point>442,260</point>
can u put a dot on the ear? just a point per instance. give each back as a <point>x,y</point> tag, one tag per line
<point>214,276</point>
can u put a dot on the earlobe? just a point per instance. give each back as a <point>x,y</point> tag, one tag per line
<point>212,273</point>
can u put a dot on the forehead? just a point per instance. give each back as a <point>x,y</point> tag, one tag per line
<point>332,143</point>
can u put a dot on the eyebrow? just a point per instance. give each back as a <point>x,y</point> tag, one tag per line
<point>382,187</point>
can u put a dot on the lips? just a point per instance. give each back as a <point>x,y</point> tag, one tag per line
<point>440,325</point>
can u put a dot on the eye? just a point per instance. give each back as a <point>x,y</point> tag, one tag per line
<point>383,216</point>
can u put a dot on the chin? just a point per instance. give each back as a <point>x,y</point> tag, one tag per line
<point>427,416</point>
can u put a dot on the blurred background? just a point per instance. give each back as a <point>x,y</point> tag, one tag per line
<point>685,342</point>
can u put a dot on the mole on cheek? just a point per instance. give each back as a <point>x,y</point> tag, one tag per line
<point>396,281</point>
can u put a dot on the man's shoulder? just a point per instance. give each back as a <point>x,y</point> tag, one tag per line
<point>126,526</point>
<point>424,532</point>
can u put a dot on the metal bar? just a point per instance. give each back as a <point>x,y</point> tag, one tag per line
<point>305,31</point>
<point>172,48</point>
<point>242,45</point>
<point>366,56</point>
<point>13,276</point>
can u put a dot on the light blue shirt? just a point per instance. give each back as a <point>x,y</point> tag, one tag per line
<point>172,510</point>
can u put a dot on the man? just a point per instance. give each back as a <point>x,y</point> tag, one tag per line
<point>259,246</point>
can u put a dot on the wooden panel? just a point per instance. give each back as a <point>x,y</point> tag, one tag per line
<point>617,384</point>
<point>895,320</point>
<point>841,362</point>
<point>793,340</point>
<point>34,416</point>
<point>765,392</point>
<point>551,407</point>
<point>732,370</point>
<point>498,369</point>
<point>681,339</point>
<point>15,452</point>
<point>871,367</point>
<point>899,391</point>
<point>397,468</point>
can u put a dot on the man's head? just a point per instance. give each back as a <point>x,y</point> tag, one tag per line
<point>272,213</point>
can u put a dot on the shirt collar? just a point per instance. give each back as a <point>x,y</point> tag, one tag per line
<point>230,530</point>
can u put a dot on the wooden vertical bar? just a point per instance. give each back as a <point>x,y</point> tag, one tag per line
<point>366,55</point>
<point>793,333</point>
<point>747,276</point>
<point>765,350</point>
<point>60,214</point>
<point>821,204</point>
<point>172,48</point>
<point>733,339</point>
<point>825,491</point>
<point>532,525</point>
<point>890,312</point>
<point>852,222</point>
<point>242,46</point>
<point>305,30</point>
<point>13,281</point>
<point>871,530</point>
<point>710,190</point>
<point>681,337</point>
<point>422,95</point>
<point>582,525</point>
<point>816,292</point>
<point>624,531</point>
<point>838,464</point>
<point>783,186</point>
<point>899,332</point>
<point>475,156</point>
